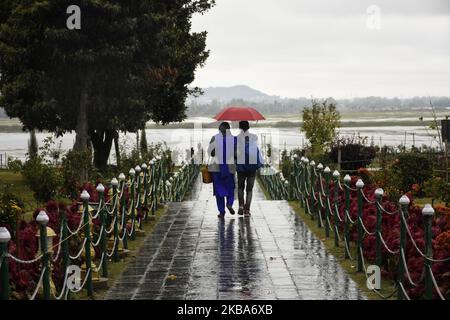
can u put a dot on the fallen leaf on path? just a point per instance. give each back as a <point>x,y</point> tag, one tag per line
<point>172,277</point>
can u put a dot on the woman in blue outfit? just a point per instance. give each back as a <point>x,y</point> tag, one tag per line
<point>222,151</point>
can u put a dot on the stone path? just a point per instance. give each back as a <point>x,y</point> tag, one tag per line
<point>191,254</point>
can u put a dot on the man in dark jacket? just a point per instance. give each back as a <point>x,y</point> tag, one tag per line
<point>249,160</point>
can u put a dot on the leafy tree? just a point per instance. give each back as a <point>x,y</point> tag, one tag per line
<point>131,62</point>
<point>32,145</point>
<point>319,124</point>
<point>144,145</point>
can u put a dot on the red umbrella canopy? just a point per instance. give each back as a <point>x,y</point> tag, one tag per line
<point>237,113</point>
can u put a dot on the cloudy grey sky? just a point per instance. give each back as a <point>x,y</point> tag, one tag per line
<point>326,48</point>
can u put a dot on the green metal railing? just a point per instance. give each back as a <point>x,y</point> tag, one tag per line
<point>310,184</point>
<point>121,219</point>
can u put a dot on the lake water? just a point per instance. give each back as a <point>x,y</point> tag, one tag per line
<point>15,144</point>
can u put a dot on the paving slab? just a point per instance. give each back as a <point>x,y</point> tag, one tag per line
<point>270,255</point>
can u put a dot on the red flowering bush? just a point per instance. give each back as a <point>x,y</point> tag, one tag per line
<point>25,242</point>
<point>391,234</point>
<point>25,246</point>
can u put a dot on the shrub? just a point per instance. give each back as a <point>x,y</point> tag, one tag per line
<point>437,189</point>
<point>10,208</point>
<point>366,175</point>
<point>355,153</point>
<point>286,164</point>
<point>323,159</point>
<point>42,178</point>
<point>411,168</point>
<point>71,163</point>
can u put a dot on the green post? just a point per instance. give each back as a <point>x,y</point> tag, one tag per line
<point>347,180</point>
<point>161,179</point>
<point>307,180</point>
<point>5,237</point>
<point>134,175</point>
<point>360,186</point>
<point>42,219</point>
<point>164,177</point>
<point>276,187</point>
<point>138,197</point>
<point>115,256</point>
<point>294,177</point>
<point>169,187</point>
<point>176,184</point>
<point>428,213</point>
<point>378,197</point>
<point>287,189</point>
<point>327,173</point>
<point>144,170</point>
<point>179,176</point>
<point>87,247</point>
<point>336,176</point>
<point>319,195</point>
<point>156,183</point>
<point>404,202</point>
<point>290,186</point>
<point>152,186</point>
<point>302,185</point>
<point>312,164</point>
<point>103,212</point>
<point>123,209</point>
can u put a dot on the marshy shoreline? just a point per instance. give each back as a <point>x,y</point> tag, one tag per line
<point>401,118</point>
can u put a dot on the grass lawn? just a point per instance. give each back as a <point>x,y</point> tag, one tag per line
<point>423,201</point>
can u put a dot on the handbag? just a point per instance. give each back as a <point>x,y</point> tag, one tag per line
<point>206,175</point>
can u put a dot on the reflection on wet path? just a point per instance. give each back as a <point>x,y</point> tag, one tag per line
<point>271,255</point>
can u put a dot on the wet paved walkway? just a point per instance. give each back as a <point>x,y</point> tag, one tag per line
<point>193,255</point>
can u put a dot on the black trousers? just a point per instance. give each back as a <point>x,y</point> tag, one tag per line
<point>246,180</point>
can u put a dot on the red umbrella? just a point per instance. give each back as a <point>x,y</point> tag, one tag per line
<point>239,113</point>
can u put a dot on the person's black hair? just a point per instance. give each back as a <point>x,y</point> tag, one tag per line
<point>244,125</point>
<point>224,126</point>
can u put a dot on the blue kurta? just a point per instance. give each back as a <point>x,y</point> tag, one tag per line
<point>223,185</point>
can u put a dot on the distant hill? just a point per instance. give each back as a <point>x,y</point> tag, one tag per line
<point>215,98</point>
<point>226,94</point>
